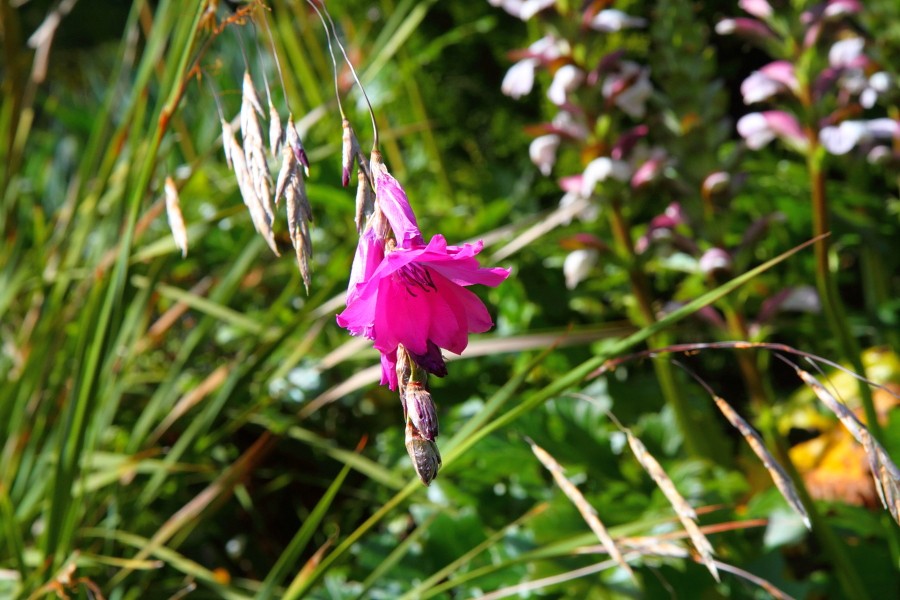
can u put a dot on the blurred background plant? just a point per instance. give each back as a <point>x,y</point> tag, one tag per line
<point>200,425</point>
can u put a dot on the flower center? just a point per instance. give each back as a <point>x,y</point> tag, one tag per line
<point>416,276</point>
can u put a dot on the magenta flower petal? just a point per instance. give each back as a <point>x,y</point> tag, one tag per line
<point>415,297</point>
<point>432,361</point>
<point>400,316</point>
<point>395,206</point>
<point>389,369</point>
<point>369,254</point>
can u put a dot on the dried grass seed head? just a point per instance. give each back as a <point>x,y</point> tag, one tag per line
<point>176,219</point>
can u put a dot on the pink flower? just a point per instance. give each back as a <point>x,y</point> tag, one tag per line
<point>744,27</point>
<point>714,261</point>
<point>758,8</point>
<point>771,79</point>
<point>758,129</point>
<point>416,294</point>
<point>650,170</point>
<point>627,141</point>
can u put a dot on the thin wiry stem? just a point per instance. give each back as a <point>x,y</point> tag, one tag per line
<point>262,67</point>
<point>355,78</point>
<point>337,91</point>
<point>215,95</point>
<point>265,23</point>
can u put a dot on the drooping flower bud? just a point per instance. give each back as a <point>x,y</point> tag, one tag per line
<point>420,409</point>
<point>423,453</point>
<point>349,151</point>
<point>715,183</point>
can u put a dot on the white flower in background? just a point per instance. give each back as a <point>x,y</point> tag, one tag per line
<point>566,79</point>
<point>611,20</point>
<point>846,52</point>
<point>522,9</point>
<point>589,212</point>
<point>565,123</point>
<point>601,169</point>
<point>543,152</point>
<point>842,138</point>
<point>578,265</point>
<point>629,88</point>
<point>519,80</point>
<point>879,83</point>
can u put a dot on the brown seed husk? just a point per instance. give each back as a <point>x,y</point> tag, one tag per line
<point>423,453</point>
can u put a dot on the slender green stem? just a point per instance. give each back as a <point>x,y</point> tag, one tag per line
<point>696,437</point>
<point>834,310</point>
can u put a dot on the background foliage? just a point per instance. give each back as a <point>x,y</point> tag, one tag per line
<point>199,425</point>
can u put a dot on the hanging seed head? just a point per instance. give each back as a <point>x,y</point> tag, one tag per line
<point>227,138</point>
<point>292,139</point>
<point>276,133</point>
<point>248,93</point>
<point>299,214</point>
<point>365,199</point>
<point>423,453</point>
<point>255,151</point>
<point>349,151</point>
<point>421,410</point>
<point>176,219</point>
<point>261,221</point>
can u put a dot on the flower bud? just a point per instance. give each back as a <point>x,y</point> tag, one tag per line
<point>420,409</point>
<point>715,183</point>
<point>424,454</point>
<point>715,261</point>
